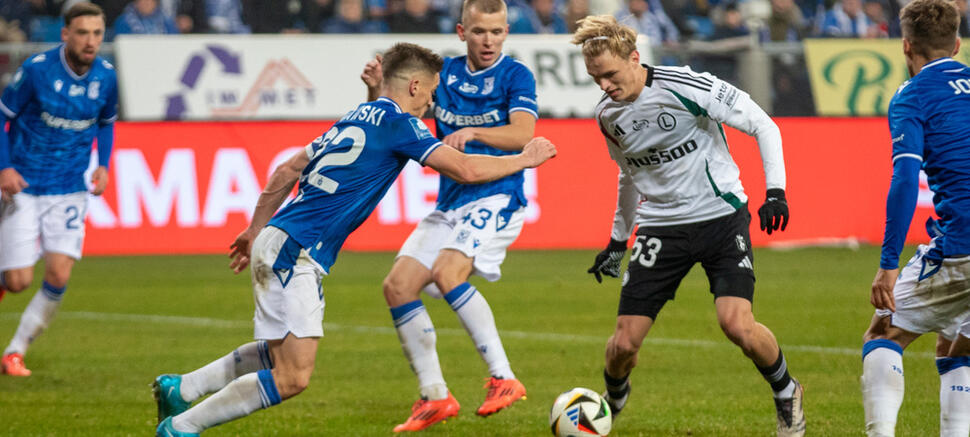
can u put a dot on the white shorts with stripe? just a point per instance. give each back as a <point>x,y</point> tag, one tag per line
<point>475,229</point>
<point>31,226</point>
<point>288,301</point>
<point>939,302</point>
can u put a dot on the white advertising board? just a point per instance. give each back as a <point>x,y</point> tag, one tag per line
<point>294,77</point>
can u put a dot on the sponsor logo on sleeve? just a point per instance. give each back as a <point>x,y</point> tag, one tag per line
<point>420,130</point>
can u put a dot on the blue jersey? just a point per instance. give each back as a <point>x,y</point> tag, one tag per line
<point>483,98</point>
<point>54,117</point>
<point>930,127</point>
<point>350,169</point>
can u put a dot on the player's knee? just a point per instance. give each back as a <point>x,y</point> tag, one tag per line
<point>57,278</point>
<point>446,277</point>
<point>737,329</point>
<point>18,280</point>
<point>622,347</point>
<point>397,292</point>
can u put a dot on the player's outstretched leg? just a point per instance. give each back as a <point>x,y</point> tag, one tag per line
<point>35,318</point>
<point>476,316</point>
<point>622,352</point>
<point>758,343</point>
<point>174,393</point>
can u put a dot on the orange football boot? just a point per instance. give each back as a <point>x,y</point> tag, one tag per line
<point>425,413</point>
<point>13,365</point>
<point>501,394</point>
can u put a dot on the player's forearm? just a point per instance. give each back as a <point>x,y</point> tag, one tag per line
<point>627,199</point>
<point>277,189</point>
<point>510,137</point>
<point>900,206</point>
<point>479,169</point>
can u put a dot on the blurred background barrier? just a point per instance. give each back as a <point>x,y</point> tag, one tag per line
<point>190,187</point>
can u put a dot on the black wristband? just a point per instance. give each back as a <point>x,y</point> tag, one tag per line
<point>616,246</point>
<point>776,193</point>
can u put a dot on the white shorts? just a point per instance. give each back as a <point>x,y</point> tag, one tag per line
<point>474,229</point>
<point>287,301</point>
<point>33,225</point>
<point>938,303</point>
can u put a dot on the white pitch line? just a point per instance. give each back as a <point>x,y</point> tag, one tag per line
<point>525,335</point>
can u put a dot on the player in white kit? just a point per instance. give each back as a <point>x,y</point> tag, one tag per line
<point>680,186</point>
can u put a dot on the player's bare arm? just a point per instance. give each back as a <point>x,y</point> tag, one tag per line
<point>11,182</point>
<point>471,169</point>
<point>513,136</point>
<point>373,77</point>
<point>279,186</point>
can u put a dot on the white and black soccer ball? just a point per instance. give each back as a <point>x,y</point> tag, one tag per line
<point>580,412</point>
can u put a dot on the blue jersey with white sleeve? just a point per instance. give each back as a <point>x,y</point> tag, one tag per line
<point>350,169</point>
<point>930,128</point>
<point>483,98</point>
<point>54,117</point>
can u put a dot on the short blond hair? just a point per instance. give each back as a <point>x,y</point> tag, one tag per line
<point>483,6</point>
<point>597,34</point>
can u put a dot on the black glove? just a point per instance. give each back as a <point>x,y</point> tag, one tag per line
<point>774,213</point>
<point>608,261</point>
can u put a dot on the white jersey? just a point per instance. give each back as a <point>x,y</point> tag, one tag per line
<point>672,152</point>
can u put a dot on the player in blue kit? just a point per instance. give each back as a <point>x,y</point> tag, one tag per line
<point>58,102</point>
<point>342,176</point>
<point>485,104</point>
<point>930,129</point>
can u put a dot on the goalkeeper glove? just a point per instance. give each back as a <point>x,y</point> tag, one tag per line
<point>608,261</point>
<point>774,212</point>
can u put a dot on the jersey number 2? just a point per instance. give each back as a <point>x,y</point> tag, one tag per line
<point>334,138</point>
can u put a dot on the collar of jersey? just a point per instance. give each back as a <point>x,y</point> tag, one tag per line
<point>67,68</point>
<point>396,107</point>
<point>476,73</point>
<point>935,63</point>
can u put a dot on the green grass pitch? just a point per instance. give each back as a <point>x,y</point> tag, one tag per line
<point>127,319</point>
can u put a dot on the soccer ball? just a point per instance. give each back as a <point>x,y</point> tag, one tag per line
<point>580,412</point>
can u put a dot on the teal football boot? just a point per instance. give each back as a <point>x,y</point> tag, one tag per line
<point>168,396</point>
<point>165,429</point>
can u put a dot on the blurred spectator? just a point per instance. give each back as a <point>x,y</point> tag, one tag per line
<point>144,17</point>
<point>277,16</point>
<point>539,17</point>
<point>876,13</point>
<point>575,10</point>
<point>605,7</point>
<point>964,30</point>
<point>786,22</point>
<point>16,13</point>
<point>112,9</point>
<point>731,25</point>
<point>846,20</point>
<point>190,16</point>
<point>315,12</point>
<point>350,19</point>
<point>225,16</point>
<point>416,17</point>
<point>649,19</point>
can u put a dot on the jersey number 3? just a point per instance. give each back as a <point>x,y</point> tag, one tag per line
<point>332,139</point>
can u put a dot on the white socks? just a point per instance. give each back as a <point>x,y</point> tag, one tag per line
<point>476,317</point>
<point>38,314</point>
<point>954,396</point>
<point>240,398</point>
<point>247,358</point>
<point>416,332</point>
<point>882,386</point>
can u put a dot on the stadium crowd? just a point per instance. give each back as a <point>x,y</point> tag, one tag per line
<point>666,22</point>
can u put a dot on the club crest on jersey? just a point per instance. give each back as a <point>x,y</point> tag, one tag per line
<point>94,90</point>
<point>666,121</point>
<point>462,236</point>
<point>488,85</point>
<point>468,88</point>
<point>420,130</point>
<point>452,79</point>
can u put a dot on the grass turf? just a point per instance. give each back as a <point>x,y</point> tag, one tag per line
<point>125,320</point>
